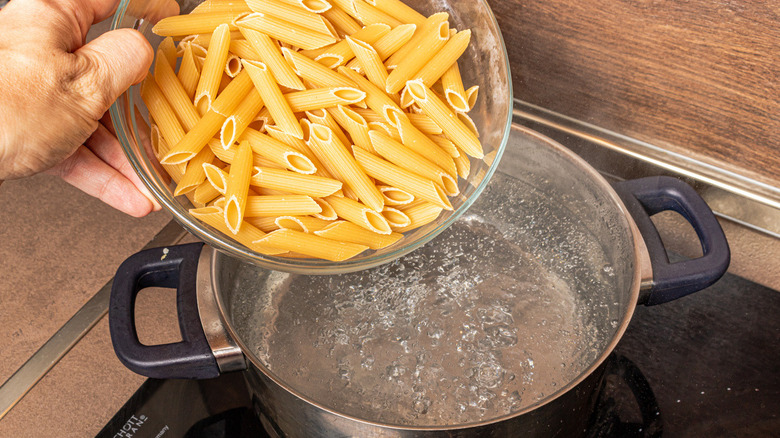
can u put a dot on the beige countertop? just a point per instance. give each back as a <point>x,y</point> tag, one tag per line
<point>59,248</point>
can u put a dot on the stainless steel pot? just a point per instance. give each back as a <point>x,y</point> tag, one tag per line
<point>500,325</point>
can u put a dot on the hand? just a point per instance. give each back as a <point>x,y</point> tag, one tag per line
<point>55,91</point>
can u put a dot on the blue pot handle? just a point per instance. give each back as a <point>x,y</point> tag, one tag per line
<point>647,196</point>
<point>171,267</point>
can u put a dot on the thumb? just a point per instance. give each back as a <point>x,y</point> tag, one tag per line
<point>112,63</point>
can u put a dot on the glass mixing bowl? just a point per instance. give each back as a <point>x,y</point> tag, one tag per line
<point>485,63</point>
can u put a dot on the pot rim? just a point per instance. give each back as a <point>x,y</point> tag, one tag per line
<point>641,273</point>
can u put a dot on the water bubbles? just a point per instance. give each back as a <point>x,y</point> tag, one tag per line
<point>478,324</point>
<point>490,375</point>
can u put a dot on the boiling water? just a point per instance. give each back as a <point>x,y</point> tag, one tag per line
<point>500,311</point>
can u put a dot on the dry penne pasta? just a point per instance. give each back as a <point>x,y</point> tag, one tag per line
<point>399,10</point>
<point>244,48</point>
<point>183,25</point>
<point>168,49</point>
<point>284,117</point>
<point>329,149</point>
<point>376,98</point>
<point>216,177</point>
<point>389,43</point>
<point>316,6</point>
<point>410,160</point>
<point>213,67</point>
<point>369,14</point>
<point>233,65</point>
<point>278,152</point>
<point>452,83</point>
<point>211,6</point>
<point>202,41</point>
<point>281,205</point>
<point>314,72</point>
<point>369,60</point>
<point>424,123</point>
<point>295,183</point>
<point>323,117</point>
<point>471,94</point>
<point>270,54</point>
<point>162,113</point>
<point>327,213</point>
<point>359,214</point>
<point>354,124</point>
<point>419,213</point>
<point>341,52</point>
<point>311,245</point>
<point>235,124</point>
<point>345,231</point>
<point>395,196</point>
<point>391,174</point>
<point>247,234</point>
<point>318,98</point>
<point>194,175</point>
<point>277,105</point>
<point>455,130</point>
<point>204,193</point>
<point>286,31</point>
<point>307,224</point>
<point>433,70</point>
<point>237,189</point>
<point>396,218</point>
<point>417,141</point>
<point>431,22</point>
<point>291,13</point>
<point>188,73</point>
<point>344,24</point>
<point>432,39</point>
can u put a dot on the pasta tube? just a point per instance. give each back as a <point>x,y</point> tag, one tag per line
<point>281,205</point>
<point>294,183</point>
<point>345,231</point>
<point>394,196</point>
<point>432,39</point>
<point>236,123</point>
<point>399,10</point>
<point>408,159</point>
<point>444,58</point>
<point>311,245</point>
<point>213,66</point>
<point>270,54</point>
<point>359,214</point>
<point>278,152</point>
<point>396,176</point>
<point>455,130</point>
<point>328,148</point>
<point>420,213</point>
<point>293,14</point>
<point>183,25</point>
<point>247,234</point>
<point>318,98</point>
<point>285,31</point>
<point>238,187</point>
<point>277,105</point>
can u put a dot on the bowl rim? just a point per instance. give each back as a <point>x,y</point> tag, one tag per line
<point>310,266</point>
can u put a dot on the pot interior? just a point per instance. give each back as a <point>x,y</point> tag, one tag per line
<point>508,308</point>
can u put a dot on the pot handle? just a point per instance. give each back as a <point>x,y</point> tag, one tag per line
<point>647,196</point>
<point>174,266</point>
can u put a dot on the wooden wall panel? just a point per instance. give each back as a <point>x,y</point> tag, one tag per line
<point>698,76</point>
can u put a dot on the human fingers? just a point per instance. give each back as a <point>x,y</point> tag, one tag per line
<point>109,65</point>
<point>85,171</point>
<point>106,147</point>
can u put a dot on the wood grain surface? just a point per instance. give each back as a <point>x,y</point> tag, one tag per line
<point>700,77</point>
